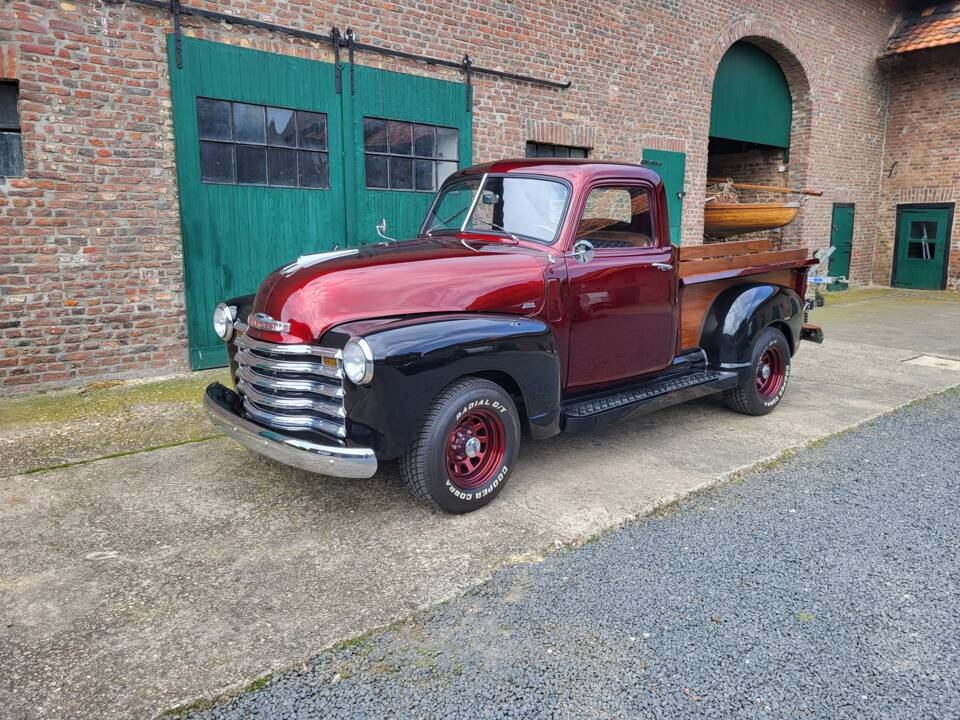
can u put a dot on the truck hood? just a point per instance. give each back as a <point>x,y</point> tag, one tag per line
<point>426,275</point>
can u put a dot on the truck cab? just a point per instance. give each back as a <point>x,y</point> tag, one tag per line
<point>539,296</point>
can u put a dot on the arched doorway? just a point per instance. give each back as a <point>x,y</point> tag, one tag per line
<point>760,123</point>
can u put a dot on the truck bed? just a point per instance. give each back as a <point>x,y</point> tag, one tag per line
<point>706,270</point>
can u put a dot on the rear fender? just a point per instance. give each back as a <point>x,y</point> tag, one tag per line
<point>415,358</point>
<point>740,313</point>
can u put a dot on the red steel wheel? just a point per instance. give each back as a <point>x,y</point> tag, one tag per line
<point>770,373</point>
<point>475,449</point>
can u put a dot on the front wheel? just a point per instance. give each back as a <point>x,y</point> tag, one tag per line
<point>761,392</point>
<point>466,447</point>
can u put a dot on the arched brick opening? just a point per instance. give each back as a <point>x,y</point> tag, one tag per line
<point>789,53</point>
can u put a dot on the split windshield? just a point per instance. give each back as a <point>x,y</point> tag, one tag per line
<point>529,208</point>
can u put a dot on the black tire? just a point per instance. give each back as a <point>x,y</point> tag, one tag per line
<point>426,467</point>
<point>755,395</point>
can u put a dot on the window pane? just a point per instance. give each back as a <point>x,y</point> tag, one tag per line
<point>445,170</point>
<point>213,119</point>
<point>923,229</point>
<point>281,128</point>
<point>376,170</point>
<point>216,162</point>
<point>447,143</point>
<point>578,152</point>
<point>617,217</point>
<point>282,167</point>
<point>314,172</point>
<point>251,165</point>
<point>401,173</point>
<point>531,150</point>
<point>313,130</point>
<point>11,155</point>
<point>9,117</point>
<point>400,136</point>
<point>374,135</point>
<point>248,123</point>
<point>423,171</point>
<point>424,140</point>
<point>525,206</point>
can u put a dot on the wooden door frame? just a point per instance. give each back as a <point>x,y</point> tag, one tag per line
<point>949,207</point>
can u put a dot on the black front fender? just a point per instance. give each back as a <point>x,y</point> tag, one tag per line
<point>415,358</point>
<point>742,312</point>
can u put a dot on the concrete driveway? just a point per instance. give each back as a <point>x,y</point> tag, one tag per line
<point>132,584</point>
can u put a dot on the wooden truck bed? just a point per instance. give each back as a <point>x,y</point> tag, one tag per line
<point>706,270</point>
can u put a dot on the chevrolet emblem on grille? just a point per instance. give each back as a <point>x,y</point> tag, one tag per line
<point>262,321</point>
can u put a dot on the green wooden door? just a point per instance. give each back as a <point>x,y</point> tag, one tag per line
<point>922,246</point>
<point>271,165</point>
<point>252,192</point>
<point>671,167</point>
<point>841,237</point>
<point>405,134</point>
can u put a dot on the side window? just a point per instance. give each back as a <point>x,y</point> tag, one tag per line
<point>617,217</point>
<point>244,144</point>
<point>408,156</point>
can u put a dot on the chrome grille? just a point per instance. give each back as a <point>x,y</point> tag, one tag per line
<point>291,387</point>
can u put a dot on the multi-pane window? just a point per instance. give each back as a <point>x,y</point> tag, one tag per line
<point>408,156</point>
<point>245,144</point>
<point>547,150</point>
<point>11,143</point>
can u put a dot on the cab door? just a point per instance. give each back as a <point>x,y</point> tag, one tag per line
<point>622,288</point>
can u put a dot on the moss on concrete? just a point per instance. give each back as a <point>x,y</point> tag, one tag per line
<point>105,398</point>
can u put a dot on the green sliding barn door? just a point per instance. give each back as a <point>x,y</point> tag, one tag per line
<point>671,167</point>
<point>271,164</point>
<point>922,247</point>
<point>406,134</point>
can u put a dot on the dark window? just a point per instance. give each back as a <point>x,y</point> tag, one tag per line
<point>617,217</point>
<point>247,144</point>
<point>11,142</point>
<point>408,156</point>
<point>546,150</point>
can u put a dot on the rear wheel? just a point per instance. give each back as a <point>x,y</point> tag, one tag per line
<point>466,447</point>
<point>762,391</point>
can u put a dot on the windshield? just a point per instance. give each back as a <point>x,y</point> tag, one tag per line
<point>530,208</point>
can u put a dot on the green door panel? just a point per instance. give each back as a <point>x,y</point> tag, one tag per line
<point>841,237</point>
<point>409,98</point>
<point>233,235</point>
<point>922,247</point>
<point>751,99</point>
<point>670,166</point>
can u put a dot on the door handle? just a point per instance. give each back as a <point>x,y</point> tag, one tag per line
<point>665,267</point>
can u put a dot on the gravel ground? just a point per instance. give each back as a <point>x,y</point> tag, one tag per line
<point>827,587</point>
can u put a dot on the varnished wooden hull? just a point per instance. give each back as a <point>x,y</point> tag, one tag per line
<point>725,219</point>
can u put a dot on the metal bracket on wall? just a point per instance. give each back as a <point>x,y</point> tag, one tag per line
<point>468,75</point>
<point>178,11</point>
<point>351,38</point>
<point>177,37</point>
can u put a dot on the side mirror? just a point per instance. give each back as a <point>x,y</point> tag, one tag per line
<point>583,251</point>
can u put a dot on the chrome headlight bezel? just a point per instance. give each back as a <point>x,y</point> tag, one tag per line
<point>223,318</point>
<point>357,360</point>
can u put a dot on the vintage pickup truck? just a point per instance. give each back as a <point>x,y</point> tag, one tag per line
<point>540,296</point>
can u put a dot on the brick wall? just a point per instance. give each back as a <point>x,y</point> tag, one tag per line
<point>922,154</point>
<point>90,266</point>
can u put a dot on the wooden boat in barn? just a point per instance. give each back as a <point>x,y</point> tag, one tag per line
<point>725,219</point>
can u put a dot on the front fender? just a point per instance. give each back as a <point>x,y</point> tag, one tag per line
<point>740,313</point>
<point>415,358</point>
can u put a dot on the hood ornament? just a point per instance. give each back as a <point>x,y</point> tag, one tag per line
<point>308,260</point>
<point>262,321</point>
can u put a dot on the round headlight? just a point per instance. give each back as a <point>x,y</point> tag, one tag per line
<point>358,361</point>
<point>223,317</point>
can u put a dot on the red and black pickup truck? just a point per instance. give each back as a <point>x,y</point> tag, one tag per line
<point>540,296</point>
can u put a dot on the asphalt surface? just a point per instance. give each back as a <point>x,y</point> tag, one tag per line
<point>828,586</point>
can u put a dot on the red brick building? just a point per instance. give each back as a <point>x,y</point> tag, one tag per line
<point>140,183</point>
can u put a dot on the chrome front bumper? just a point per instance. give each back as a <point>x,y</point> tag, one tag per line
<point>222,407</point>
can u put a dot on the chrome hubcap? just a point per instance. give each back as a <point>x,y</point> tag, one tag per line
<point>765,372</point>
<point>472,447</point>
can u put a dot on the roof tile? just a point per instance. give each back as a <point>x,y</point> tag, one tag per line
<point>932,26</point>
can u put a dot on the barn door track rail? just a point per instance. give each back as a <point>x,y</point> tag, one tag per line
<point>337,39</point>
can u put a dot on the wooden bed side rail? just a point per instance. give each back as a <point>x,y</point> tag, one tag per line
<point>748,264</point>
<point>719,249</point>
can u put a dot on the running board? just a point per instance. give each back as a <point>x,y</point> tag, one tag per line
<point>592,412</point>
